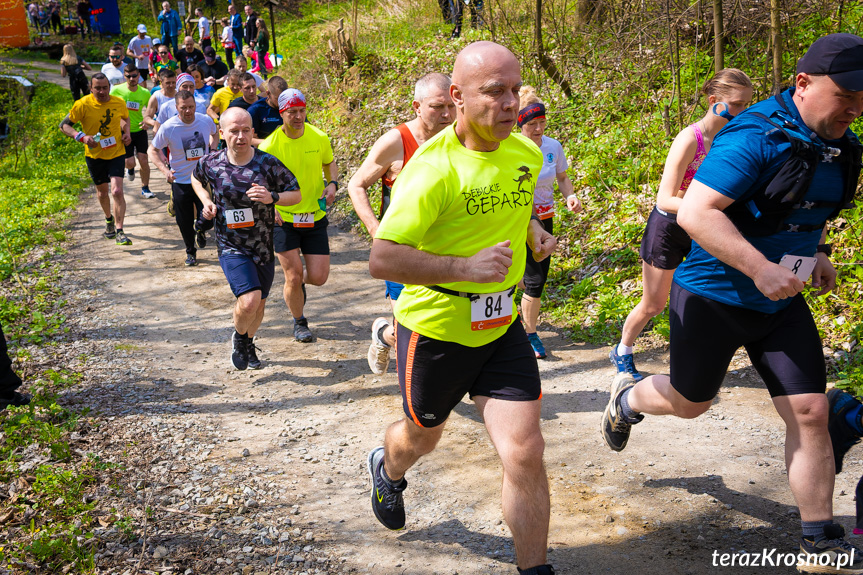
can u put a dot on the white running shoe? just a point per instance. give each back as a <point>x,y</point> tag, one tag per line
<point>379,352</point>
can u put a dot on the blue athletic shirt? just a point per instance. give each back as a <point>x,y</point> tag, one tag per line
<point>741,161</point>
<point>265,119</point>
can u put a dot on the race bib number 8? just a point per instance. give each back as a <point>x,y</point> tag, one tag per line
<point>491,310</point>
<point>108,142</point>
<point>239,218</point>
<point>304,220</point>
<point>800,265</point>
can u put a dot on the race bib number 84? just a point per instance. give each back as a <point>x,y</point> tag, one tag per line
<point>491,310</point>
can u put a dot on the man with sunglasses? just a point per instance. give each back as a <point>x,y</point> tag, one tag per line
<point>136,99</point>
<point>114,68</point>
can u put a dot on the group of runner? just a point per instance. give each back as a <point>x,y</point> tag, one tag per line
<point>464,221</point>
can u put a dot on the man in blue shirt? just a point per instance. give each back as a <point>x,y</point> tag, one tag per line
<point>265,112</point>
<point>236,22</point>
<point>736,288</point>
<point>171,25</point>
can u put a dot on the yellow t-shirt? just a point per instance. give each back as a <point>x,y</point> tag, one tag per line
<point>103,119</point>
<point>452,201</point>
<point>305,158</point>
<point>222,99</point>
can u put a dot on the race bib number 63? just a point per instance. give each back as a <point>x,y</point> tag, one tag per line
<point>491,310</point>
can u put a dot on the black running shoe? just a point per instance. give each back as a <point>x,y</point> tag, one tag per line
<point>829,553</point>
<point>14,399</point>
<point>131,174</point>
<point>615,426</point>
<point>200,239</point>
<point>254,362</point>
<point>191,260</point>
<point>387,501</point>
<point>110,229</point>
<point>538,570</point>
<point>239,351</point>
<point>842,436</point>
<point>302,333</point>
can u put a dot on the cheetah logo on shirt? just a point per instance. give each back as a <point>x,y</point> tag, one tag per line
<point>105,125</point>
<point>526,176</point>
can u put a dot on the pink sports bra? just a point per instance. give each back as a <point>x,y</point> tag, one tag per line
<point>693,166</point>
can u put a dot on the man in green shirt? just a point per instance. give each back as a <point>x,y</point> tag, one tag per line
<point>136,99</point>
<point>455,234</point>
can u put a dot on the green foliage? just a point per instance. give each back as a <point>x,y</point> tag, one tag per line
<point>62,545</point>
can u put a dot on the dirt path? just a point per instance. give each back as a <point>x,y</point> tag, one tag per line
<point>277,456</point>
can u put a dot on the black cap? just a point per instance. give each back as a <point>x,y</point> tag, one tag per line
<point>210,51</point>
<point>839,56</point>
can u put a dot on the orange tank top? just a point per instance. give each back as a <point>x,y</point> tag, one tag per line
<point>409,143</point>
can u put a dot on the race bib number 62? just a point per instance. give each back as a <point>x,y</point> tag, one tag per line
<point>491,310</point>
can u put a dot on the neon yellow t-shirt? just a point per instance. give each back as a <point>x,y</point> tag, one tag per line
<point>103,119</point>
<point>136,103</point>
<point>305,158</point>
<point>452,201</point>
<point>222,99</point>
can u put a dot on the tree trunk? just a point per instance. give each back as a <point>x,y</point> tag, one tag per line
<point>719,37</point>
<point>544,61</point>
<point>156,8</point>
<point>776,40</point>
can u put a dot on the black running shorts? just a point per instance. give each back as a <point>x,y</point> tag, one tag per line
<point>312,241</point>
<point>536,273</point>
<point>784,347</point>
<point>664,243</point>
<point>101,171</point>
<point>138,145</point>
<point>435,375</point>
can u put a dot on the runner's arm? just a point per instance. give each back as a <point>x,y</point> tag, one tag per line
<point>405,264</point>
<point>680,155</point>
<point>150,112</point>
<point>824,274</point>
<point>701,215</point>
<point>209,210</point>
<point>155,156</point>
<point>125,127</point>
<point>131,54</point>
<point>564,184</point>
<point>331,171</point>
<point>387,150</point>
<point>213,112</point>
<point>68,128</point>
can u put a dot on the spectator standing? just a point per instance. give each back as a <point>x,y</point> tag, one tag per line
<point>203,29</point>
<point>262,47</point>
<point>140,48</point>
<point>83,9</point>
<point>250,30</point>
<point>73,67</point>
<point>236,23</point>
<point>171,25</point>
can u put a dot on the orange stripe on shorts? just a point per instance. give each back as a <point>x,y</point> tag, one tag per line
<point>409,366</point>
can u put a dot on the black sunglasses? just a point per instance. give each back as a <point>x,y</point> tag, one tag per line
<point>115,57</point>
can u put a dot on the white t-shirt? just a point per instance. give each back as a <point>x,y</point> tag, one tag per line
<point>204,28</point>
<point>169,109</point>
<point>141,48</point>
<point>188,143</point>
<point>553,162</point>
<point>114,74</point>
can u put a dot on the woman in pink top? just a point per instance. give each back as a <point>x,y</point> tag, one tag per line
<point>664,243</point>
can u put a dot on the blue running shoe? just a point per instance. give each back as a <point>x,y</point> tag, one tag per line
<point>624,364</point>
<point>536,344</point>
<point>842,436</point>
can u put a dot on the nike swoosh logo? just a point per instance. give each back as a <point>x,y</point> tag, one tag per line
<point>380,497</point>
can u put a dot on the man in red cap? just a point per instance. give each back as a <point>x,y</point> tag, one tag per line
<point>757,213</point>
<point>306,152</point>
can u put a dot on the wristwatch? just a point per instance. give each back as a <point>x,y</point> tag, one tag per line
<point>334,182</point>
<point>826,249</point>
<point>275,196</point>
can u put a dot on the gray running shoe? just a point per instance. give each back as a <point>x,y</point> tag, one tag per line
<point>302,333</point>
<point>829,553</point>
<point>615,426</point>
<point>121,239</point>
<point>110,229</point>
<point>387,501</point>
<point>379,352</point>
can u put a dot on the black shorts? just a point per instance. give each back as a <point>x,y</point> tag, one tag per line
<point>101,171</point>
<point>138,144</point>
<point>536,273</point>
<point>784,347</point>
<point>664,243</point>
<point>434,375</point>
<point>145,73</point>
<point>313,241</point>
<point>244,275</point>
